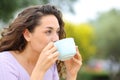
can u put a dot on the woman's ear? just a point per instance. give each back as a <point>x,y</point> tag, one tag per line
<point>27,34</point>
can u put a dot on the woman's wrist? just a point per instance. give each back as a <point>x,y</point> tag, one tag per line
<point>71,77</point>
<point>37,75</point>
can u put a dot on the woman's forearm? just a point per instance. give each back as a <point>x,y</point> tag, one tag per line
<point>37,75</point>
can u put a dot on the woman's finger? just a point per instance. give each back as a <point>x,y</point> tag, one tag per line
<point>55,54</point>
<point>53,49</point>
<point>49,46</point>
<point>53,57</point>
<point>77,61</point>
<point>78,55</point>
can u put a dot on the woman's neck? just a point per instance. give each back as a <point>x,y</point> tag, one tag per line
<point>30,57</point>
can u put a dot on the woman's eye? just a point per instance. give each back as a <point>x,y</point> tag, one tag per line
<point>48,32</point>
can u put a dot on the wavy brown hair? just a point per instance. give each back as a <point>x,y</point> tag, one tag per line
<point>12,37</point>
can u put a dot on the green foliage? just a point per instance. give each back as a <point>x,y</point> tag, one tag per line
<point>9,7</point>
<point>108,36</point>
<point>6,11</point>
<point>83,35</point>
<point>86,75</point>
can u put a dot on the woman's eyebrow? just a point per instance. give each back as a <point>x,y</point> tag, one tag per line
<point>52,28</point>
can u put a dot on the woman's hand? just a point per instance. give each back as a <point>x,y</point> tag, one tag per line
<point>47,58</point>
<point>73,65</point>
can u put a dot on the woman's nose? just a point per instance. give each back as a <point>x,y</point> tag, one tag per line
<point>55,37</point>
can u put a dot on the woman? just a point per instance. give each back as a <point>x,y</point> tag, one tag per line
<point>27,49</point>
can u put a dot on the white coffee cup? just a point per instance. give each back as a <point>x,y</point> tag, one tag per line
<point>66,47</point>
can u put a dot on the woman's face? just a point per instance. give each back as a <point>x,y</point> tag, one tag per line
<point>46,32</point>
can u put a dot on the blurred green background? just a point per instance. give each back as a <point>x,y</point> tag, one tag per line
<point>97,39</point>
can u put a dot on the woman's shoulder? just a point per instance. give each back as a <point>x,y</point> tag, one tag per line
<point>6,59</point>
<point>9,65</point>
<point>7,62</point>
<point>5,56</point>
